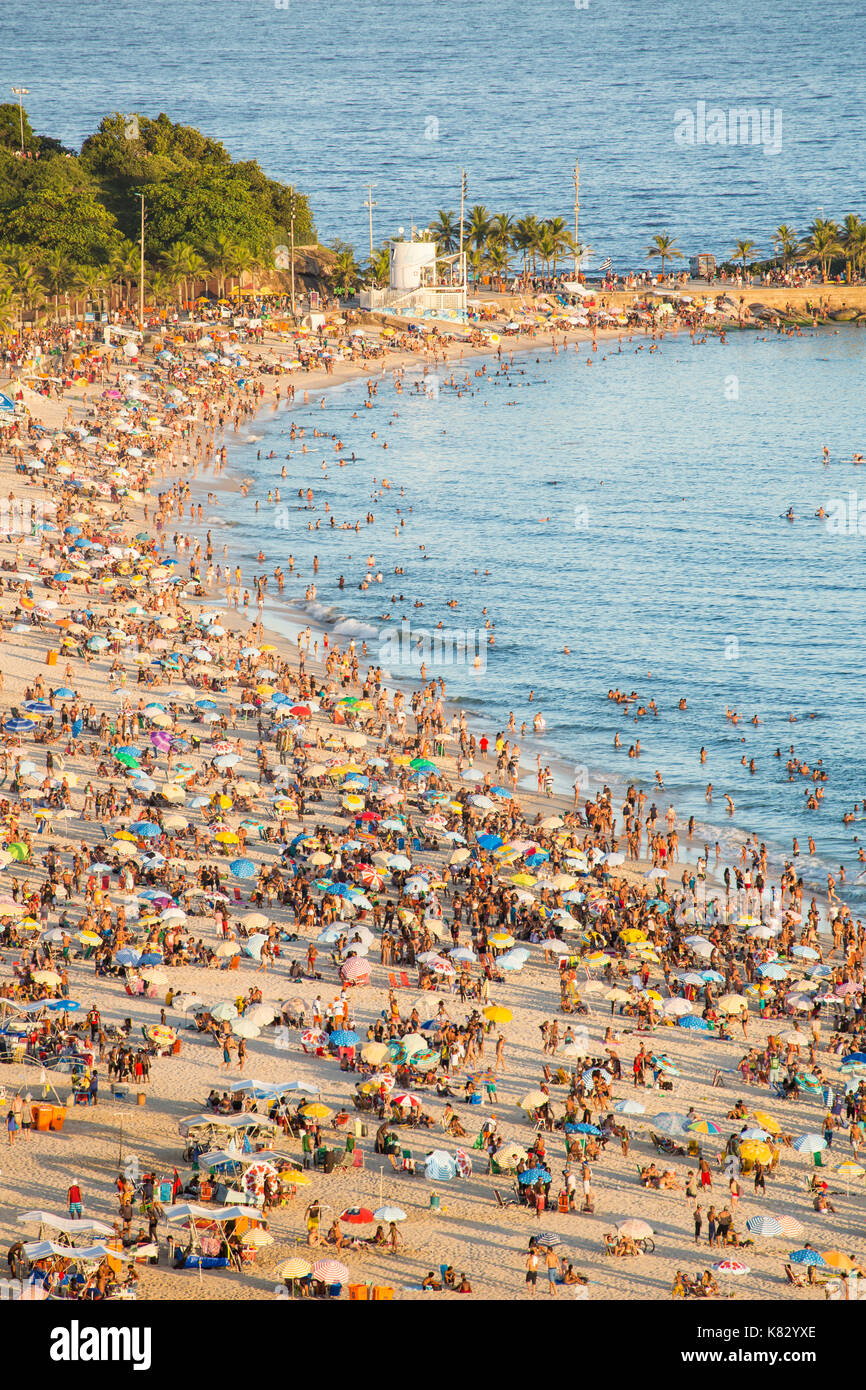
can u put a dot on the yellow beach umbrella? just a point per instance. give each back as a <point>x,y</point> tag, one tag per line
<point>497,1014</point>
<point>632,934</point>
<point>756,1151</point>
<point>523,880</point>
<point>767,1122</point>
<point>837,1259</point>
<point>316,1111</point>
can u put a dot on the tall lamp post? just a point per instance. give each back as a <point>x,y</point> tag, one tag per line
<point>463,188</point>
<point>576,212</point>
<point>141,271</point>
<point>370,205</point>
<point>292,225</point>
<point>21,92</point>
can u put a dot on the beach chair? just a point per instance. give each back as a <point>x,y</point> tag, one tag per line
<point>398,980</point>
<point>408,1163</point>
<point>504,1201</point>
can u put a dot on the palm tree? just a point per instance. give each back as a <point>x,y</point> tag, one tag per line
<point>745,251</point>
<point>55,274</point>
<point>23,281</point>
<point>475,263</point>
<point>478,226</point>
<point>378,268</point>
<point>822,243</point>
<point>497,262</point>
<point>500,230</point>
<point>175,264</point>
<point>125,265</point>
<point>7,309</point>
<point>853,242</point>
<point>346,271</point>
<point>90,283</point>
<point>523,238</point>
<point>663,246</point>
<point>220,257</point>
<point>786,243</point>
<point>446,230</point>
<point>561,236</point>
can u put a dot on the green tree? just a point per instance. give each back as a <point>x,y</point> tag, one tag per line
<point>853,243</point>
<point>477,227</point>
<point>745,251</point>
<point>664,247</point>
<point>786,244</point>
<point>822,243</point>
<point>446,230</point>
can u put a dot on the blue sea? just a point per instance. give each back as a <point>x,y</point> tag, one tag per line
<point>632,510</point>
<point>332,96</point>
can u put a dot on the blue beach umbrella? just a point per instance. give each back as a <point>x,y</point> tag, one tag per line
<point>806,1257</point>
<point>344,1037</point>
<point>582,1128</point>
<point>764,1226</point>
<point>533,1175</point>
<point>19,726</point>
<point>243,868</point>
<point>695,1025</point>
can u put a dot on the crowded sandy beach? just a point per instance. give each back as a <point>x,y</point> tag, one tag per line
<point>308,989</point>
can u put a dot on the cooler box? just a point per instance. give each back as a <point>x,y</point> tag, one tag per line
<point>58,1116</point>
<point>381,1291</point>
<point>50,658</point>
<point>42,1116</point>
<point>359,1291</point>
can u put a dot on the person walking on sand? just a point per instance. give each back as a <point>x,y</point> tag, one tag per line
<point>554,1270</point>
<point>532,1270</point>
<point>699,1221</point>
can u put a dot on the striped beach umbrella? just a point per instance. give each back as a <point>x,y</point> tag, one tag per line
<point>440,1166</point>
<point>331,1272</point>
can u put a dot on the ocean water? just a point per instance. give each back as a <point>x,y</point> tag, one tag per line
<point>633,511</point>
<point>333,95</point>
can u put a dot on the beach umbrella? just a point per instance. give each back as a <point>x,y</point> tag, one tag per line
<point>634,1227</point>
<point>464,1163</point>
<point>753,1132</point>
<point>630,1107</point>
<point>582,1127</point>
<point>497,1014</point>
<point>702,1127</point>
<point>357,1216</point>
<point>355,970</point>
<point>677,1008</point>
<point>533,1175</point>
<point>809,1144</point>
<point>330,1272</point>
<point>807,1256</point>
<point>439,1166</point>
<point>533,1099</point>
<point>764,1226</point>
<point>756,1151</point>
<point>773,971</point>
<point>343,1037</point>
<point>375,1053</point>
<point>245,1028</point>
<point>389,1214</point>
<point>316,1111</point>
<point>732,1003</point>
<point>224,1012</point>
<point>696,1025</point>
<point>837,1259</point>
<point>592,1072</point>
<point>243,868</point>
<point>767,1122</point>
<point>730,1267</point>
<point>668,1123</point>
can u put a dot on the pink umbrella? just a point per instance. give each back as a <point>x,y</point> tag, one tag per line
<point>331,1272</point>
<point>355,969</point>
<point>161,740</point>
<point>464,1163</point>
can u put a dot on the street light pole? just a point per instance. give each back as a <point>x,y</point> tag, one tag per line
<point>292,226</point>
<point>576,212</point>
<point>141,272</point>
<point>463,187</point>
<point>370,205</point>
<point>21,92</point>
